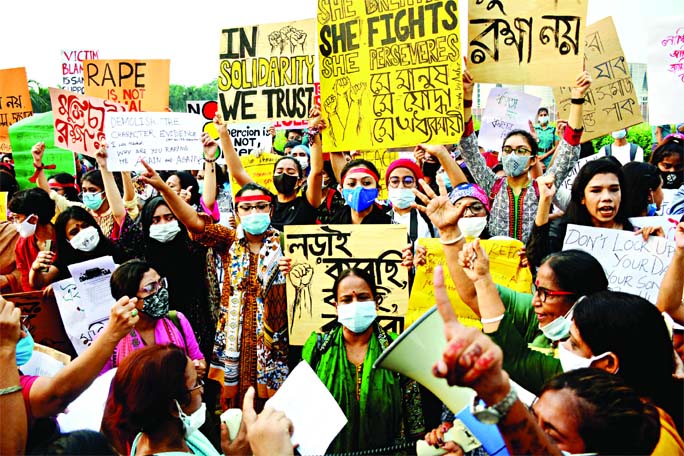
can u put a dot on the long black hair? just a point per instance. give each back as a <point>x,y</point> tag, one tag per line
<point>640,180</point>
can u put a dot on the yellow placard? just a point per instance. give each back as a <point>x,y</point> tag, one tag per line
<point>504,265</point>
<point>534,42</point>
<point>267,72</point>
<point>15,102</point>
<point>259,169</point>
<point>612,103</point>
<point>320,253</point>
<point>390,73</point>
<point>3,206</point>
<point>140,85</point>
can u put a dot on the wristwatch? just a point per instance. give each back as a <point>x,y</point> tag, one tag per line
<point>494,413</point>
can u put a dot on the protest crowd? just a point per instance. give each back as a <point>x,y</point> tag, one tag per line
<point>144,306</point>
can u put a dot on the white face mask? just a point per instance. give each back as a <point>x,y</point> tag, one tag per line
<point>472,227</point>
<point>357,316</point>
<point>543,120</point>
<point>164,232</point>
<point>25,228</point>
<point>304,161</point>
<point>86,240</point>
<point>194,421</point>
<point>570,361</point>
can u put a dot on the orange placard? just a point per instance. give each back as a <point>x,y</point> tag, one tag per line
<point>15,102</point>
<point>140,85</point>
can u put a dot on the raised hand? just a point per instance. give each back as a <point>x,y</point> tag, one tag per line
<point>547,186</point>
<point>10,325</point>
<point>434,150</point>
<point>101,156</point>
<point>43,260</point>
<point>37,152</point>
<point>468,82</point>
<point>209,146</point>
<point>474,261</point>
<point>122,317</point>
<point>186,194</point>
<point>151,177</point>
<point>221,127</point>
<point>438,208</point>
<point>470,357</point>
<point>269,432</point>
<point>582,85</point>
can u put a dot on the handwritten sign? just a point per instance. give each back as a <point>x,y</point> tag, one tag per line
<point>611,102</point>
<point>567,183</point>
<point>506,110</point>
<point>381,159</point>
<point>15,102</point>
<point>260,169</point>
<point>665,69</point>
<point>79,120</point>
<point>42,320</point>
<point>140,85</point>
<point>267,71</point>
<point>534,42</point>
<point>390,73</point>
<point>165,140</point>
<point>72,68</point>
<point>668,224</point>
<point>631,265</point>
<point>319,255</point>
<point>246,137</point>
<point>504,266</point>
<point>27,132</point>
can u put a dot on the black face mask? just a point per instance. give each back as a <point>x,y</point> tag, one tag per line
<point>285,183</point>
<point>672,180</point>
<point>430,168</point>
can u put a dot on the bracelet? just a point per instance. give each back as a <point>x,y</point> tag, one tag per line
<point>467,103</point>
<point>313,131</point>
<point>38,169</point>
<point>212,160</point>
<point>10,390</point>
<point>452,241</point>
<point>577,101</point>
<point>484,321</point>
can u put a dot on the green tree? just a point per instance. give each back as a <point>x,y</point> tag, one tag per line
<point>40,97</point>
<point>179,95</point>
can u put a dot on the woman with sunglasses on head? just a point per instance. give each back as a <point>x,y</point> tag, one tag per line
<point>251,336</point>
<point>137,280</point>
<point>288,177</point>
<point>515,198</point>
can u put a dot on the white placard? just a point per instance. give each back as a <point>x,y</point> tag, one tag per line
<point>506,110</point>
<point>314,412</point>
<point>567,183</point>
<point>165,140</point>
<point>87,410</point>
<point>631,265</point>
<point>665,69</point>
<point>668,224</point>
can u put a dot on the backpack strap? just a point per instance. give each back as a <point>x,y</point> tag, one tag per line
<point>413,226</point>
<point>173,316</point>
<point>495,190</point>
<point>632,151</point>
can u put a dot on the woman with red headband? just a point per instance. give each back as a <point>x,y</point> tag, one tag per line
<point>288,177</point>
<point>251,344</point>
<point>360,182</point>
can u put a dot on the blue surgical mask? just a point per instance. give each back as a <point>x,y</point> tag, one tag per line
<point>255,223</point>
<point>359,198</point>
<point>447,181</point>
<point>558,329</point>
<point>200,184</point>
<point>93,200</point>
<point>357,316</point>
<point>652,209</point>
<point>401,197</point>
<point>619,134</point>
<point>514,165</point>
<point>25,348</point>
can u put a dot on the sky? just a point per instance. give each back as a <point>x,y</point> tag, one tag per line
<point>35,32</point>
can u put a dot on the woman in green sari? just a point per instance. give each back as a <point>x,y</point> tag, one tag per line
<point>383,408</point>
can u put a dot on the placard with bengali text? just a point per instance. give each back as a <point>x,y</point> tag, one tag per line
<point>15,102</point>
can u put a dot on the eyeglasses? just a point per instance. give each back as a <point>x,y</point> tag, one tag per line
<point>154,287</point>
<point>544,293</point>
<point>198,385</point>
<point>522,150</point>
<point>259,207</point>
<point>408,181</point>
<point>475,209</point>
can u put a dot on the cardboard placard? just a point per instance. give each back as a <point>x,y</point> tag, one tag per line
<point>15,102</point>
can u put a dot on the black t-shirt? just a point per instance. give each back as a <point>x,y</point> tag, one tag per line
<point>376,217</point>
<point>295,212</point>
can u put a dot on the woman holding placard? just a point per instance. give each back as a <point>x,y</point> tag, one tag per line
<point>383,408</point>
<point>251,343</point>
<point>288,177</point>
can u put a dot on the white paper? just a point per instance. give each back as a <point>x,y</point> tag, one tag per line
<point>567,183</point>
<point>668,225</point>
<point>665,69</point>
<point>41,365</point>
<point>506,110</point>
<point>631,265</point>
<point>165,140</point>
<point>86,411</point>
<point>316,416</point>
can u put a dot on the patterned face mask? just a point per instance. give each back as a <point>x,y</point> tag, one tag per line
<point>157,305</point>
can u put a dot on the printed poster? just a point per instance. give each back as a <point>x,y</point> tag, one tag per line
<point>390,73</point>
<point>15,103</point>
